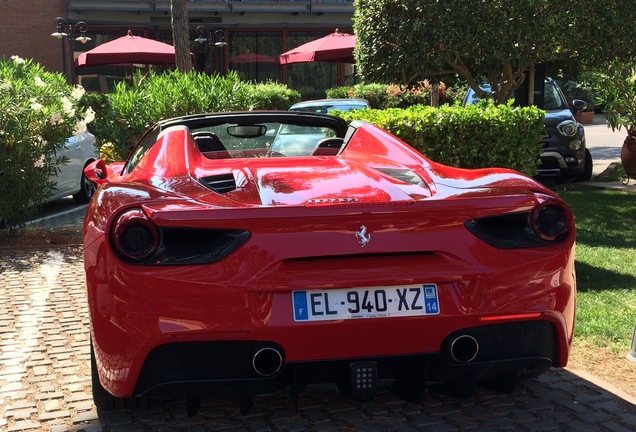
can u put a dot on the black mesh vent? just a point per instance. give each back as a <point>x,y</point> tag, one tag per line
<point>221,183</point>
<point>549,162</point>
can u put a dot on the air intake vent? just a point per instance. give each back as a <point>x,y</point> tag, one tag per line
<point>221,183</point>
<point>406,176</point>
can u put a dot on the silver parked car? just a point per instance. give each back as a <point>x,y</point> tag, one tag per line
<point>79,151</point>
<point>325,106</point>
<point>293,140</point>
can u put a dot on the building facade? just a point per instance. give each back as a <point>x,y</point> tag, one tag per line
<point>255,32</point>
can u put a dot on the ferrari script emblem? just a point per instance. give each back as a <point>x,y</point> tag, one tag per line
<point>363,236</point>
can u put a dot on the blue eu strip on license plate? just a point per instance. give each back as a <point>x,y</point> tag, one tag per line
<point>369,302</point>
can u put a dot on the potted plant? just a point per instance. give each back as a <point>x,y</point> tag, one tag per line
<point>586,116</point>
<point>584,90</point>
<point>616,89</point>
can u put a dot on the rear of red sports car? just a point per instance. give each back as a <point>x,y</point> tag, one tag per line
<point>369,267</point>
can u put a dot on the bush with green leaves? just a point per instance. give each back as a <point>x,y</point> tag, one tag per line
<point>479,136</point>
<point>273,96</point>
<point>338,92</point>
<point>582,88</point>
<point>127,112</point>
<point>39,113</point>
<point>616,90</point>
<point>107,127</point>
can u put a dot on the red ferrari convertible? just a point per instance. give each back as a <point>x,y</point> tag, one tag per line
<point>221,256</point>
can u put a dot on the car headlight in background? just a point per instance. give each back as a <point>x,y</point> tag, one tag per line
<point>567,128</point>
<point>575,145</point>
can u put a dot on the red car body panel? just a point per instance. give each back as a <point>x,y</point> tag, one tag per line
<point>302,215</point>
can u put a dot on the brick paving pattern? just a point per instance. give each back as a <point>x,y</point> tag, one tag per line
<point>45,379</point>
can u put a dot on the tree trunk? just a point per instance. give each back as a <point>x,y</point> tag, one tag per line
<point>531,73</point>
<point>435,95</point>
<point>181,34</point>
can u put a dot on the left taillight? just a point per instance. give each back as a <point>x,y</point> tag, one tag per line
<point>134,237</point>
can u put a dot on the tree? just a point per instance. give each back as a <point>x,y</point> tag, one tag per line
<point>181,34</point>
<point>496,41</point>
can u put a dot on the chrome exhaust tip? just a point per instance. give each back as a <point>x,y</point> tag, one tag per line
<point>463,348</point>
<point>267,361</point>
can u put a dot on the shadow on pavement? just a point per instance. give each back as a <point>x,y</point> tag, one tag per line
<point>45,379</point>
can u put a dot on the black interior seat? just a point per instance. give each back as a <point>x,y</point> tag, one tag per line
<point>210,143</point>
<point>328,147</point>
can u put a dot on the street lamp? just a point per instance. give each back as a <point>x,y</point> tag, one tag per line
<point>216,38</point>
<point>71,29</point>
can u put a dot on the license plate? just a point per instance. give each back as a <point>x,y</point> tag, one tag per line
<point>370,302</point>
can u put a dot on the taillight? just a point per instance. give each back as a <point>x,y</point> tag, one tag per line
<point>134,237</point>
<point>546,224</point>
<point>550,220</point>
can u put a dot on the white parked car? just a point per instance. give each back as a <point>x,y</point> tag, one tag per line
<point>70,180</point>
<point>295,140</point>
<point>325,106</point>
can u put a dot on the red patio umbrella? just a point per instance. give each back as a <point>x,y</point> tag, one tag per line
<point>335,47</point>
<point>250,57</point>
<point>128,49</point>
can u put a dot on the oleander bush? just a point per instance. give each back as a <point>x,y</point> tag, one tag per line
<point>39,113</point>
<point>615,89</point>
<point>384,96</point>
<point>479,136</point>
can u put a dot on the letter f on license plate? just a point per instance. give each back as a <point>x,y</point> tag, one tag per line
<point>370,302</point>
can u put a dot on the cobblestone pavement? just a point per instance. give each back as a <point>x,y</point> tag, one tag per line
<point>45,379</point>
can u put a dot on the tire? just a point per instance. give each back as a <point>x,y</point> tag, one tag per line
<point>86,192</point>
<point>587,169</point>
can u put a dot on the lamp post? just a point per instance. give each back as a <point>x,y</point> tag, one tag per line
<point>71,29</point>
<point>216,38</point>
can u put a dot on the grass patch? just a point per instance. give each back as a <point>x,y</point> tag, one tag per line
<point>605,265</point>
<point>614,172</point>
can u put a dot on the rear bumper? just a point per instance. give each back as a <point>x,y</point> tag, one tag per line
<point>175,370</point>
<point>180,337</point>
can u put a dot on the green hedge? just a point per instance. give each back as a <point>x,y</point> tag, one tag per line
<point>485,135</point>
<point>476,136</point>
<point>123,115</point>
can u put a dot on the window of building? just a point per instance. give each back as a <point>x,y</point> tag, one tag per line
<point>252,54</point>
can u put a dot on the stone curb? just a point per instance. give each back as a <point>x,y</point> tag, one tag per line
<point>602,384</point>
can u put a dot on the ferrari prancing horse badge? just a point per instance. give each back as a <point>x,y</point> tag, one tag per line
<point>363,236</point>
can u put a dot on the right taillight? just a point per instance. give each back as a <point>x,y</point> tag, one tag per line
<point>134,237</point>
<point>550,220</point>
